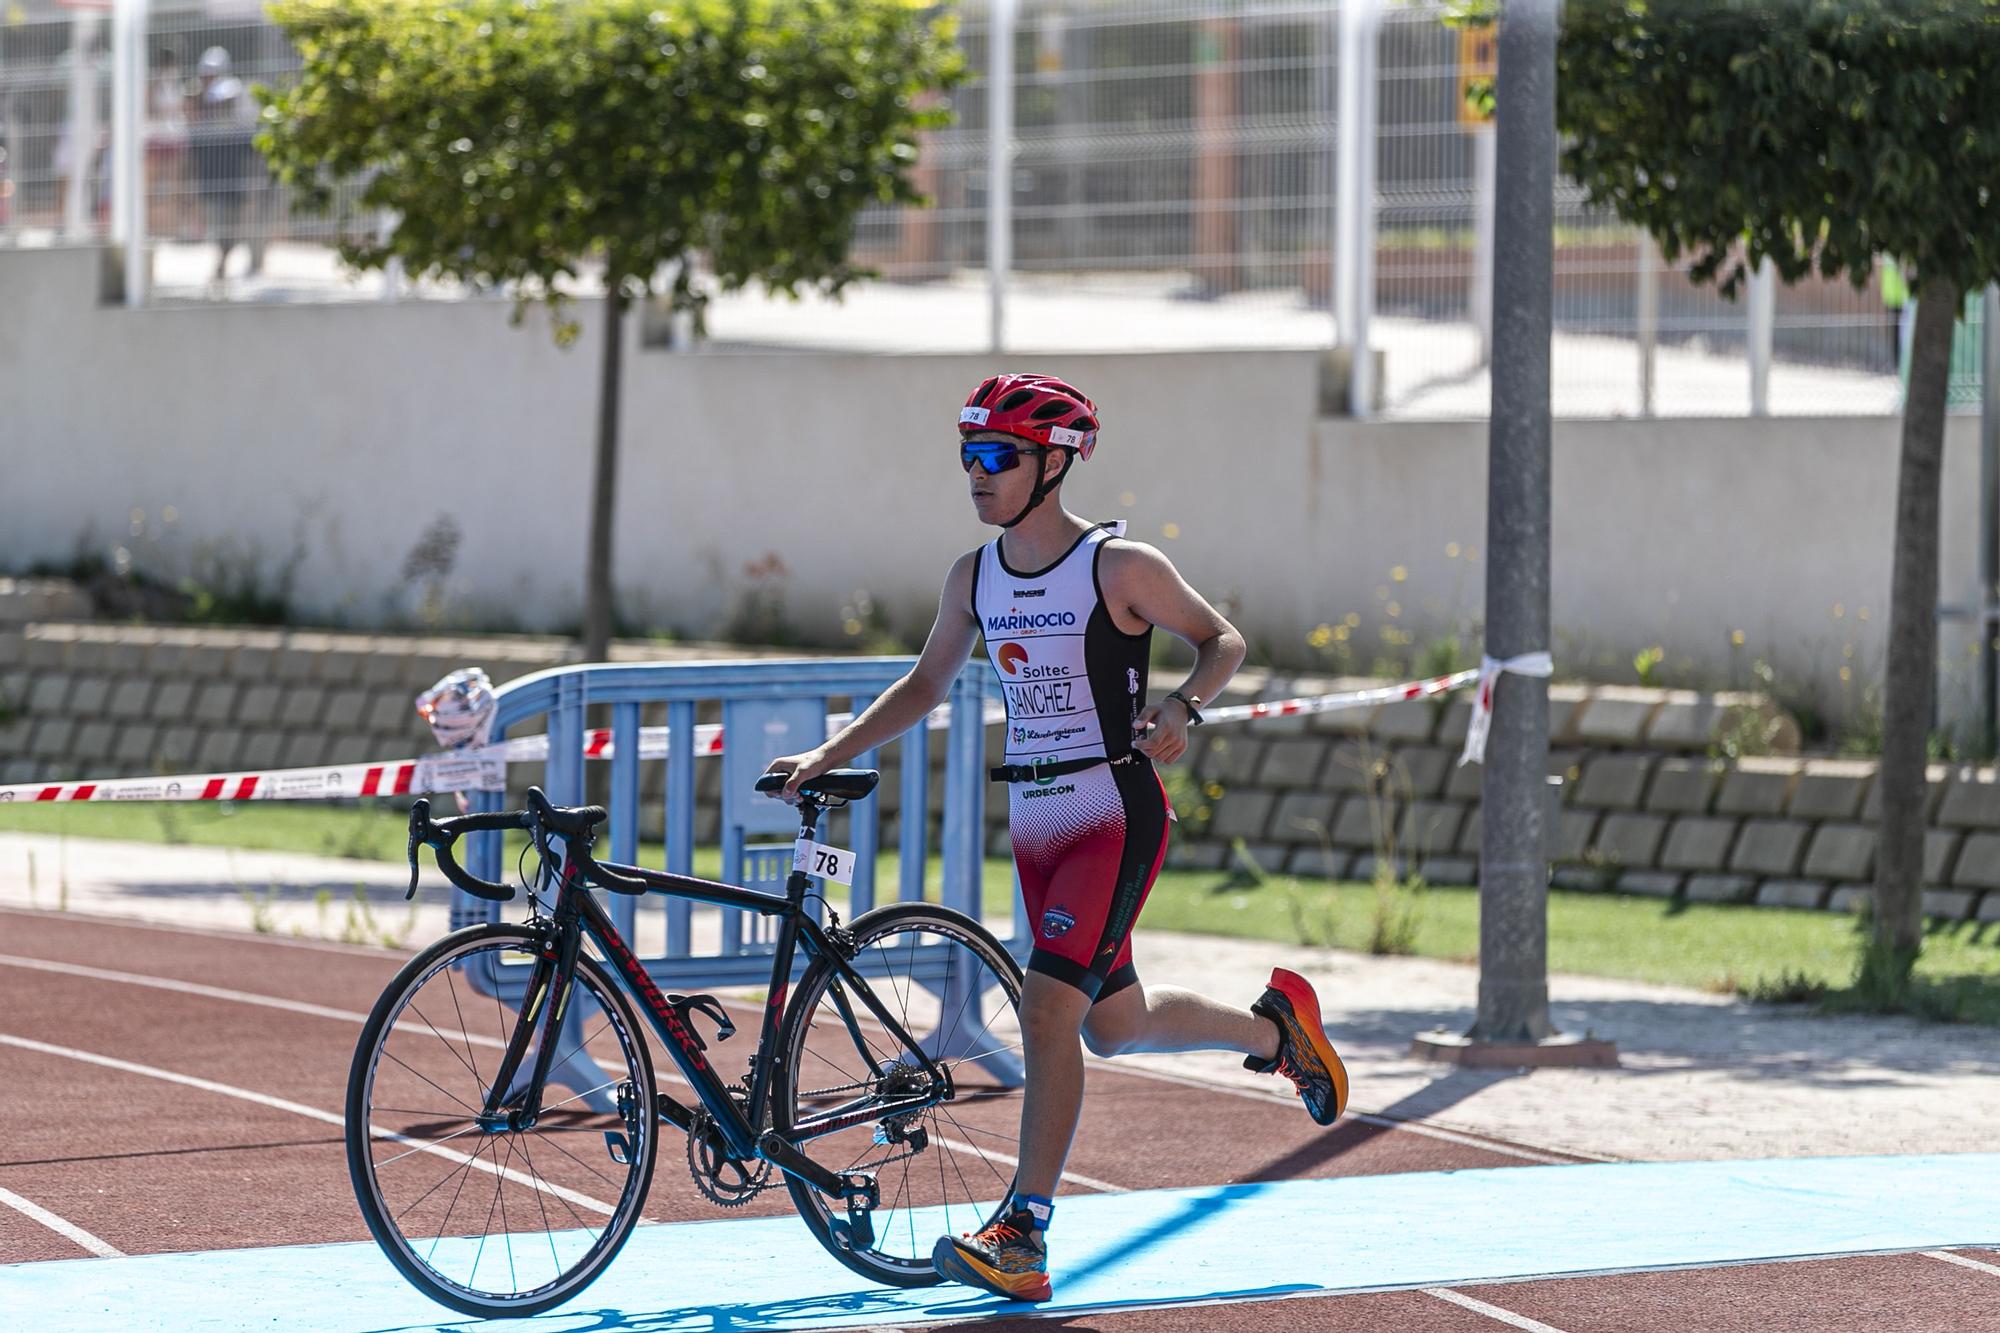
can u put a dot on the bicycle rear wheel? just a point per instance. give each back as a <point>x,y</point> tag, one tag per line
<point>946,1168</point>
<point>489,1220</point>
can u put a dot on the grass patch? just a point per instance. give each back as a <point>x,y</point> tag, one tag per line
<point>1772,954</point>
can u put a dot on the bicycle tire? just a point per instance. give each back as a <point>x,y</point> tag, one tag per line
<point>869,931</point>
<point>593,983</point>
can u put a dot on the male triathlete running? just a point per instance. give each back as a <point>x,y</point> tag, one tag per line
<point>1068,609</point>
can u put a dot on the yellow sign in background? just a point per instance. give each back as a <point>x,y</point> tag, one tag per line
<point>1476,62</point>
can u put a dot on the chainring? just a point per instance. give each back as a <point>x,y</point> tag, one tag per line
<point>723,1180</point>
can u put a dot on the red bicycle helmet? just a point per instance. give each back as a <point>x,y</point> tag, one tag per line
<point>1040,409</point>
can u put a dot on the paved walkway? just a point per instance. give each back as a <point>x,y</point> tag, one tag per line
<point>1432,367</point>
<point>1701,1076</point>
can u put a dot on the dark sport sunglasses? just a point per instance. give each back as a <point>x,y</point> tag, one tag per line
<point>994,455</point>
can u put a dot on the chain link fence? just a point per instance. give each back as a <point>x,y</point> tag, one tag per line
<point>1172,185</point>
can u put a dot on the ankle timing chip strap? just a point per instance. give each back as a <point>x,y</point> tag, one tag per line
<point>1038,1208</point>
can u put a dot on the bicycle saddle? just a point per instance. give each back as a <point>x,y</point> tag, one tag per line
<point>841,784</point>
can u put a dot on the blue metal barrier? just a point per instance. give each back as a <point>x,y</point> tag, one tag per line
<point>768,708</point>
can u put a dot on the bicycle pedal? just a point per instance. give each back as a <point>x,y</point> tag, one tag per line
<point>619,1147</point>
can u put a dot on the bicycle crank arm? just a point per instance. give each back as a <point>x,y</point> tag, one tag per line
<point>856,1190</point>
<point>672,1112</point>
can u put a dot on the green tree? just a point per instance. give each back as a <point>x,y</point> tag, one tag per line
<point>1818,134</point>
<point>522,144</point>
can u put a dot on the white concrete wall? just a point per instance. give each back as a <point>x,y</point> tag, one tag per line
<point>341,432</point>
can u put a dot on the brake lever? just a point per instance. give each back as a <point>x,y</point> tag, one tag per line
<point>420,818</point>
<point>543,875</point>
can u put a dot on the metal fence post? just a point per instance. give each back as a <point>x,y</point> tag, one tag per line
<point>1989,522</point>
<point>1354,200</point>
<point>82,130</point>
<point>1648,273</point>
<point>1763,319</point>
<point>1485,186</point>
<point>999,166</point>
<point>128,142</point>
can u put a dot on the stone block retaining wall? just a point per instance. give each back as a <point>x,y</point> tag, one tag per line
<point>1644,807</point>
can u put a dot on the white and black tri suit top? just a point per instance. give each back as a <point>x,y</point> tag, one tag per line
<point>1074,682</point>
<point>1088,837</point>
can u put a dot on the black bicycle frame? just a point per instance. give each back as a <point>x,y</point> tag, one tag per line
<point>577,914</point>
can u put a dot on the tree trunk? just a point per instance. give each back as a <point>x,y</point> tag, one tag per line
<point>1513,864</point>
<point>1911,684</point>
<point>604,487</point>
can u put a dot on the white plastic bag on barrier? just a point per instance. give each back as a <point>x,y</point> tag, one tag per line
<point>460,710</point>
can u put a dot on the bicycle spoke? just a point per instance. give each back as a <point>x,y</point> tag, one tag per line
<point>451,981</point>
<point>465,1172</point>
<point>548,1230</point>
<point>579,1096</point>
<point>506,1231</point>
<point>580,1162</point>
<point>941,1000</point>
<point>957,1170</point>
<point>580,1220</point>
<point>451,1247</point>
<point>485,1231</point>
<point>405,1110</point>
<point>1004,1180</point>
<point>426,1147</point>
<point>443,1180</point>
<point>580,1048</point>
<point>433,1082</point>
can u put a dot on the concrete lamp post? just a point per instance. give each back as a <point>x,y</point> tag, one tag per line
<point>1512,1028</point>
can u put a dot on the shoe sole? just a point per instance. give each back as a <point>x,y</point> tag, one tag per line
<point>1305,1007</point>
<point>953,1266</point>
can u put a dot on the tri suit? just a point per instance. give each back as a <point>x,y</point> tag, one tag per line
<point>1088,814</point>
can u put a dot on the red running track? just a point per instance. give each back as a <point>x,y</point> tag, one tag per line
<point>143,1164</point>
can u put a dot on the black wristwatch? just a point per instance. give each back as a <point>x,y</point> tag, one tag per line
<point>1190,702</point>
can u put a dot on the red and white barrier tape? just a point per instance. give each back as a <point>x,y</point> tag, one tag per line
<point>485,767</point>
<point>1525,664</point>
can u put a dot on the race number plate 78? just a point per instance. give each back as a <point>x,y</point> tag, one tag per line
<point>816,858</point>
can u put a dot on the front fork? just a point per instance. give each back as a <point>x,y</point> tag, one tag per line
<point>512,1105</point>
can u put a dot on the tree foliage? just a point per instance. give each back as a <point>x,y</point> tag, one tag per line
<point>515,139</point>
<point>1819,133</point>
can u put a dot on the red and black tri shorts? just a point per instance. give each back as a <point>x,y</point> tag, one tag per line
<point>1088,846</point>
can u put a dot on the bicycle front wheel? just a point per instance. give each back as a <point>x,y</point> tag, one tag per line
<point>948,1167</point>
<point>487,1219</point>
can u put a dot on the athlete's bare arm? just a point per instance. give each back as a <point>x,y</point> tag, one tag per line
<point>1142,587</point>
<point>904,704</point>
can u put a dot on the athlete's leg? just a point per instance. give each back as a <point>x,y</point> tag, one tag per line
<point>1051,1013</point>
<point>1173,1018</point>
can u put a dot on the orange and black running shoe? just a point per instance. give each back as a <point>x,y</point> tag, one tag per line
<point>1304,1055</point>
<point>1006,1257</point>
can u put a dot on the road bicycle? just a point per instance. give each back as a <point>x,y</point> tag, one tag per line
<point>503,1117</point>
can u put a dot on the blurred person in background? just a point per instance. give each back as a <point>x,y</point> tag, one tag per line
<point>221,122</point>
<point>166,145</point>
<point>69,158</point>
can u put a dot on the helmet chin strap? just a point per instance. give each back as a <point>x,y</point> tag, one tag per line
<point>1043,487</point>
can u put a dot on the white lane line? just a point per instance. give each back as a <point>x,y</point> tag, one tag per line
<point>183,987</point>
<point>1507,1317</point>
<point>309,1112</point>
<point>1075,1178</point>
<point>77,918</point>
<point>1138,1070</point>
<point>1384,1122</point>
<point>68,1230</point>
<point>1962,1261</point>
